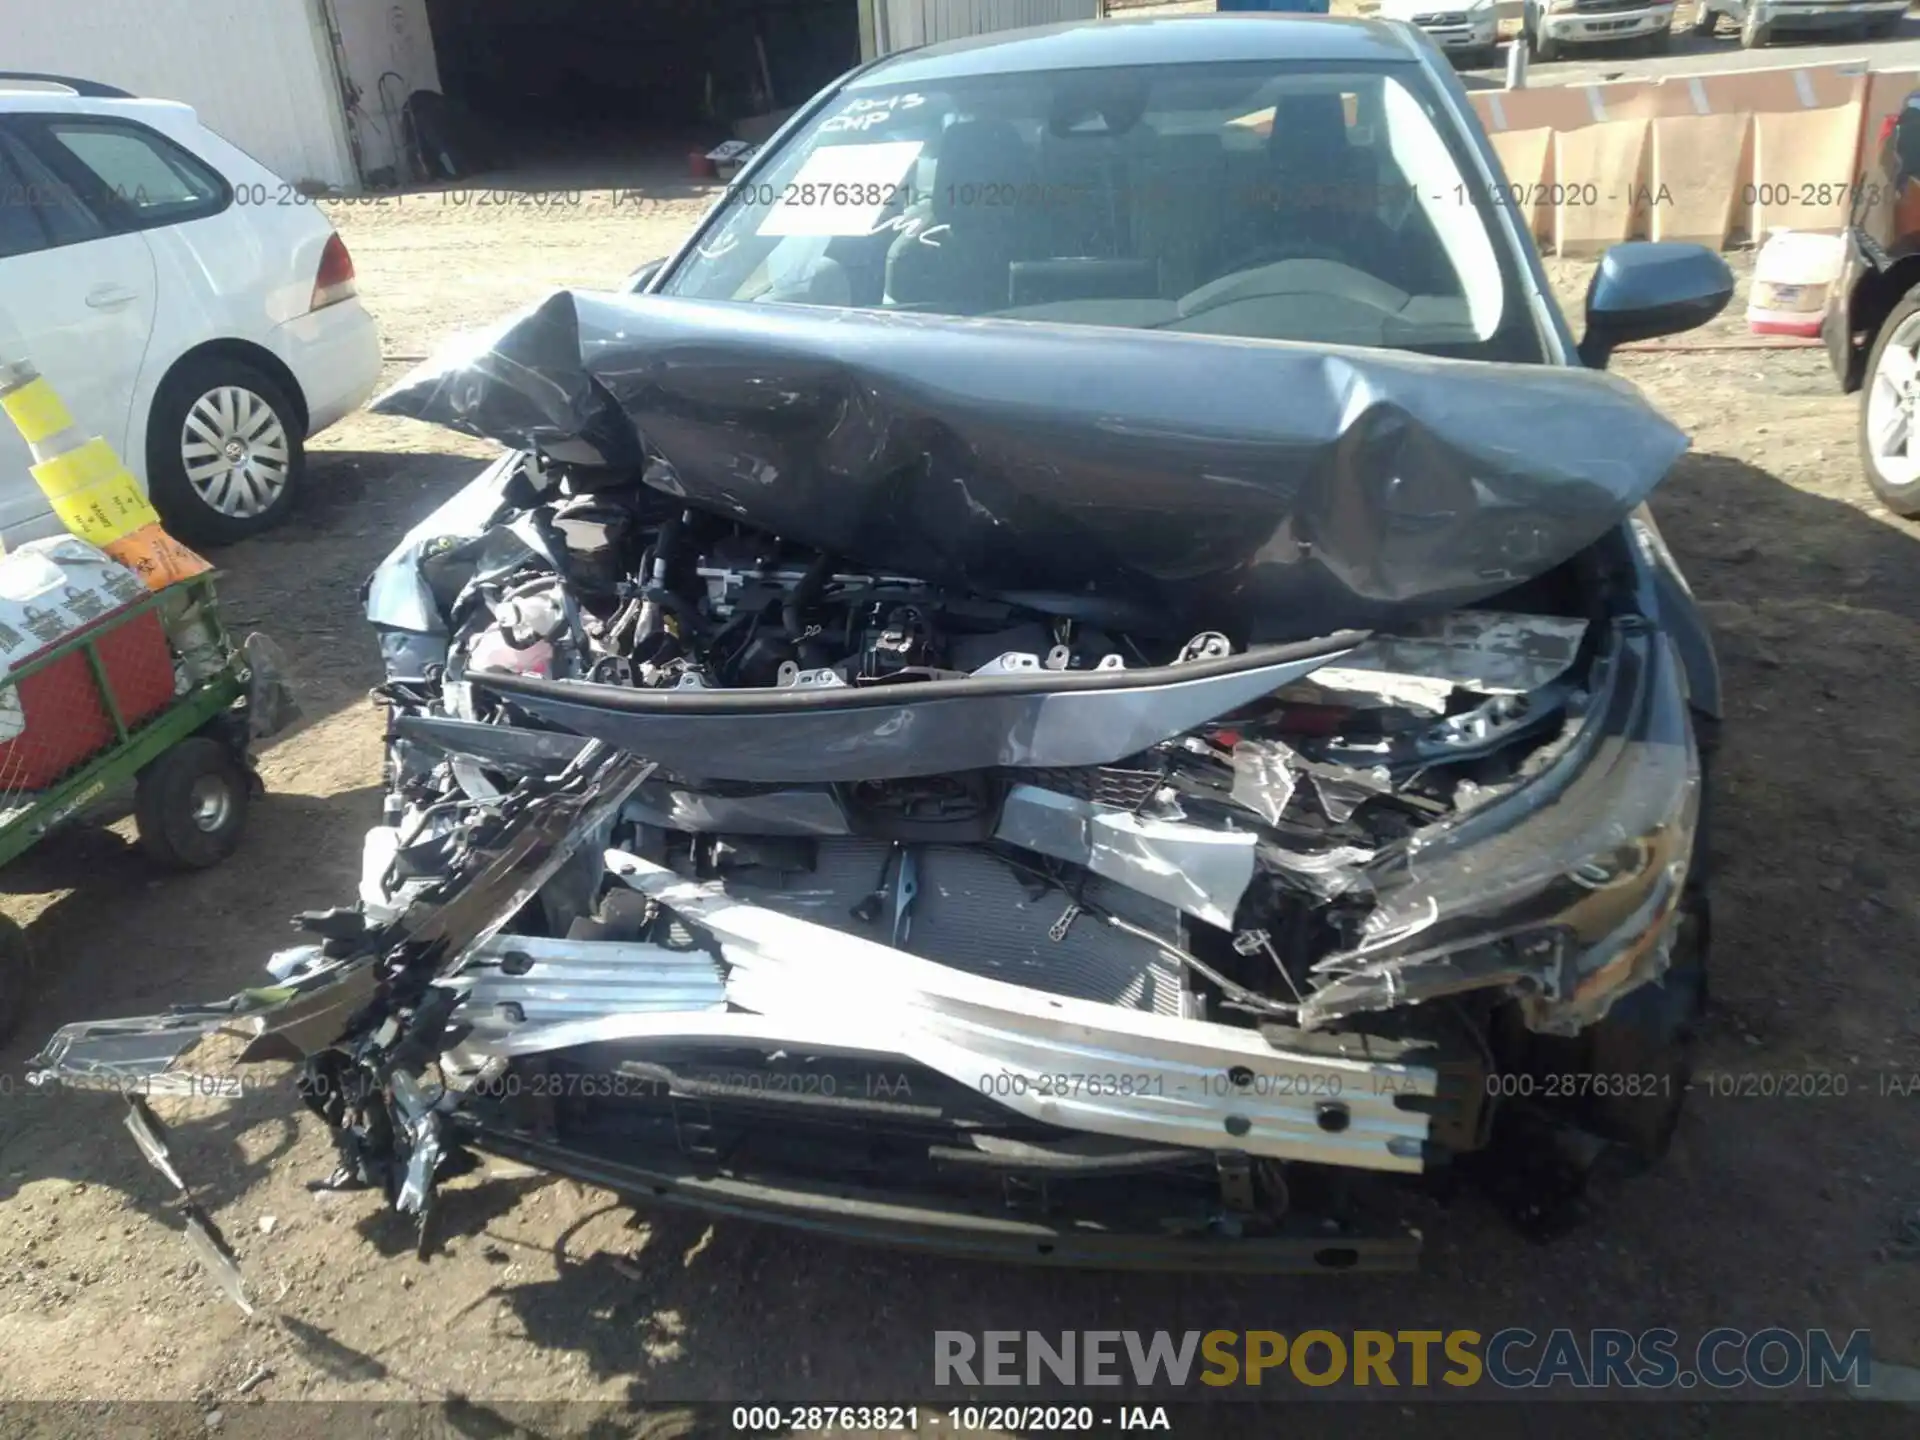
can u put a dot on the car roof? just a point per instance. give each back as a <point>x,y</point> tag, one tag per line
<point>23,98</point>
<point>1145,40</point>
<point>13,79</point>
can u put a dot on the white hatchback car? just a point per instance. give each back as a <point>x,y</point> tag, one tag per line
<point>188,304</point>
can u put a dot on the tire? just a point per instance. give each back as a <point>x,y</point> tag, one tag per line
<point>1754,35</point>
<point>16,972</point>
<point>191,805</point>
<point>1647,1040</point>
<point>1659,42</point>
<point>238,428</point>
<point>1893,472</point>
<point>1705,20</point>
<point>1649,1036</point>
<point>1706,736</point>
<point>1543,48</point>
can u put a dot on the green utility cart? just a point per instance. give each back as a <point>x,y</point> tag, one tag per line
<point>153,694</point>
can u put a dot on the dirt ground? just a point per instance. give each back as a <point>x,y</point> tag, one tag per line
<point>1769,1211</point>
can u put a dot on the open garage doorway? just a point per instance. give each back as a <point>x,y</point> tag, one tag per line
<point>589,93</point>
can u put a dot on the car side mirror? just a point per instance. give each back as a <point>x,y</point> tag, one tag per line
<point>643,277</point>
<point>1648,288</point>
<point>1906,136</point>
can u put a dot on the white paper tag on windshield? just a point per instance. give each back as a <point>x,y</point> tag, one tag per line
<point>842,190</point>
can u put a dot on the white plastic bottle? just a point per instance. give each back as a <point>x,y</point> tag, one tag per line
<point>1792,282</point>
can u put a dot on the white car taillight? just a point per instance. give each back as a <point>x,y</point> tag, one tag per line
<point>335,281</point>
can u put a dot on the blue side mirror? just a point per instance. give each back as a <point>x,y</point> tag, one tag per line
<point>1648,288</point>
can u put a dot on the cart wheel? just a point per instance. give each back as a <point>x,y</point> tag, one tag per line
<point>192,804</point>
<point>16,967</point>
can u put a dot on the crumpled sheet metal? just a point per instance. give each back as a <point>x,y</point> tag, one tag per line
<point>1199,871</point>
<point>398,595</point>
<point>1485,651</point>
<point>1489,652</point>
<point>546,822</point>
<point>1565,888</point>
<point>1187,480</point>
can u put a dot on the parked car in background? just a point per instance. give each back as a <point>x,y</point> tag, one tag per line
<point>191,307</point>
<point>1552,25</point>
<point>1872,326</point>
<point>1760,19</point>
<point>1468,30</point>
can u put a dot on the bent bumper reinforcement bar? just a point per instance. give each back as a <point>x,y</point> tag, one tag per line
<point>1071,1063</point>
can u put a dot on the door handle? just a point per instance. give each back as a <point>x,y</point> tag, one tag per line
<point>111,297</point>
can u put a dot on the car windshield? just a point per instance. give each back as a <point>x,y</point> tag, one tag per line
<point>1286,201</point>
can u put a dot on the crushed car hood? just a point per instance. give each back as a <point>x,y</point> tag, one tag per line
<point>1148,479</point>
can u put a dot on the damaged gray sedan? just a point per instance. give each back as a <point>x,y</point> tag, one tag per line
<point>1083,676</point>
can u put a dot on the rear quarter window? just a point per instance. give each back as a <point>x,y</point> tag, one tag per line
<point>140,176</point>
<point>38,209</point>
<point>20,230</point>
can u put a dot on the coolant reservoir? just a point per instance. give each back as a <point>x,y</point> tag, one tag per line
<point>1792,281</point>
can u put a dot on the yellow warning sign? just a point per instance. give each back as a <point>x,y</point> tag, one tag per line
<point>105,512</point>
<point>36,410</point>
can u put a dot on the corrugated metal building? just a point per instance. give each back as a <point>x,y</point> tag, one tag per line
<point>317,89</point>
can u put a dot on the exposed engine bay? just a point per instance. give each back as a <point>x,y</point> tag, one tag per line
<point>1250,834</point>
<point>724,867</point>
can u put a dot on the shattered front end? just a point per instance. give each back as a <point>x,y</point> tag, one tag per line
<point>1165,857</point>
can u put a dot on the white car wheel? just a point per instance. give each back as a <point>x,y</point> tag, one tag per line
<point>1889,412</point>
<point>224,450</point>
<point>235,451</point>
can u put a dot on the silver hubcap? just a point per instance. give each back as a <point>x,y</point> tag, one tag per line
<point>210,804</point>
<point>1893,397</point>
<point>236,452</point>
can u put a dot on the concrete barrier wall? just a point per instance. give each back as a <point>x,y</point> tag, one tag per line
<point>1721,159</point>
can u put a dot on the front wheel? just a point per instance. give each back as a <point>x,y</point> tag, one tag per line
<point>1641,1054</point>
<point>1660,41</point>
<point>1753,34</point>
<point>191,804</point>
<point>1889,403</point>
<point>1705,19</point>
<point>1542,47</point>
<point>224,453</point>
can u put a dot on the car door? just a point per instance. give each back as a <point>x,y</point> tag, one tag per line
<point>77,299</point>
